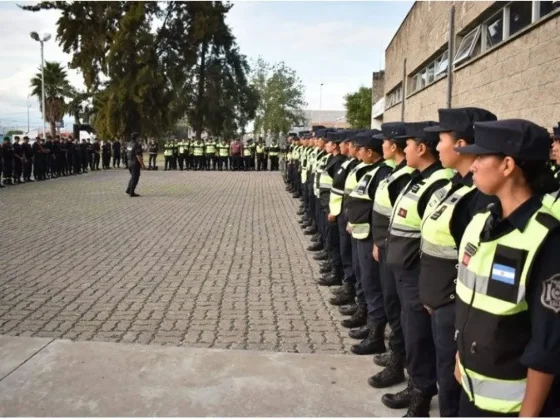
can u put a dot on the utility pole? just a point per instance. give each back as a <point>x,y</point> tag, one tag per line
<point>42,41</point>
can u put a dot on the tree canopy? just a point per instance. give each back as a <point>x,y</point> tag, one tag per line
<point>358,108</point>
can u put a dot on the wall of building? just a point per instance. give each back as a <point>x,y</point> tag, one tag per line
<point>517,78</point>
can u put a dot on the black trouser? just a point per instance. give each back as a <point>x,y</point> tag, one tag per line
<point>273,163</point>
<point>236,162</point>
<point>96,159</point>
<point>443,330</point>
<point>152,160</point>
<point>18,170</point>
<point>222,161</point>
<point>370,281</point>
<point>334,248</point>
<point>210,162</point>
<point>168,162</point>
<point>345,247</point>
<point>8,170</point>
<point>106,161</point>
<point>125,160</point>
<point>174,161</point>
<point>417,326</point>
<point>261,162</point>
<point>392,304</point>
<point>181,159</point>
<point>199,163</point>
<point>357,273</point>
<point>247,163</point>
<point>27,169</point>
<point>134,177</point>
<point>117,160</point>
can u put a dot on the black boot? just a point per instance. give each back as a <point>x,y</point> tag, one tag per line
<point>359,333</point>
<point>419,404</point>
<point>343,298</point>
<point>300,212</point>
<point>393,374</point>
<point>333,279</point>
<point>400,399</point>
<point>321,256</point>
<point>325,269</point>
<point>348,309</point>
<point>315,247</point>
<point>358,319</point>
<point>310,231</point>
<point>375,341</point>
<point>382,360</point>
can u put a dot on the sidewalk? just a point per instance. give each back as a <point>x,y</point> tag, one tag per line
<point>45,377</point>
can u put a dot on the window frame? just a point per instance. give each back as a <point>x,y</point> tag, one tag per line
<point>457,60</point>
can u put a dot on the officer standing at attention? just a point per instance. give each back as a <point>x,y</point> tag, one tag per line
<point>7,161</point>
<point>449,212</point>
<point>168,155</point>
<point>358,212</point>
<point>273,152</point>
<point>116,154</point>
<point>28,162</point>
<point>153,151</point>
<point>18,160</point>
<point>96,154</point>
<point>182,149</point>
<point>403,259</point>
<point>223,153</point>
<point>261,156</point>
<point>386,195</point>
<point>106,154</point>
<point>135,163</point>
<point>247,155</point>
<point>508,287</point>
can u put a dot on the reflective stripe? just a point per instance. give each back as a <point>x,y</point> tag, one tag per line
<point>440,251</point>
<point>509,394</point>
<point>404,232</point>
<point>325,186</point>
<point>337,191</point>
<point>360,229</point>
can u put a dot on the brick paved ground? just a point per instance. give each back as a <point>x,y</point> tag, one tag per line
<point>209,259</point>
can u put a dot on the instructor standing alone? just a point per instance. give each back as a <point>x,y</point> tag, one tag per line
<point>135,163</point>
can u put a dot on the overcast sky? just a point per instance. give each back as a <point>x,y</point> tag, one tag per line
<point>336,43</point>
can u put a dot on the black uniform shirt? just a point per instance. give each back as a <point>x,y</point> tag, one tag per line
<point>134,149</point>
<point>335,162</point>
<point>383,172</point>
<point>8,153</point>
<point>18,151</point>
<point>116,148</point>
<point>543,297</point>
<point>27,150</point>
<point>397,186</point>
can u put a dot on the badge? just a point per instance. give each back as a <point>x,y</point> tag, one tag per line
<point>415,188</point>
<point>438,212</point>
<point>402,213</point>
<point>550,297</point>
<point>470,250</point>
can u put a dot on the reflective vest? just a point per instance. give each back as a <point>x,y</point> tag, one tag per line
<point>246,151</point>
<point>304,163</point>
<point>360,204</point>
<point>210,148</point>
<point>492,311</point>
<point>337,194</point>
<point>182,147</point>
<point>198,149</point>
<point>319,167</point>
<point>168,149</point>
<point>260,149</point>
<point>296,152</point>
<point>382,207</point>
<point>437,240</point>
<point>551,201</point>
<point>223,150</point>
<point>273,150</point>
<point>404,227</point>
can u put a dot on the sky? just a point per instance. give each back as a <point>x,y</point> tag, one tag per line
<point>338,44</point>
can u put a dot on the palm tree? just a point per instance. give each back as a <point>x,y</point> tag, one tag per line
<point>57,89</point>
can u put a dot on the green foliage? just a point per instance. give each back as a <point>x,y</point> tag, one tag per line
<point>57,88</point>
<point>14,133</point>
<point>149,64</point>
<point>358,108</point>
<point>280,98</point>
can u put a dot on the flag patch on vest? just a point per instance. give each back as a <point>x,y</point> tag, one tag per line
<point>402,212</point>
<point>550,297</point>
<point>503,273</point>
<point>470,250</point>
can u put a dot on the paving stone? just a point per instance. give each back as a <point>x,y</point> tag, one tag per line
<point>210,259</point>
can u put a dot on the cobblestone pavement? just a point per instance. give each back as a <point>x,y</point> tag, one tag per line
<point>206,259</point>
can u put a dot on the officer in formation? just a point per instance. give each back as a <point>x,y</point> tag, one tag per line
<point>54,158</point>
<point>448,232</point>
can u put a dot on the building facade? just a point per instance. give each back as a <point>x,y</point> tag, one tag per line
<point>505,58</point>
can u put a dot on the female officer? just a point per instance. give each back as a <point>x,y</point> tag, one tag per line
<point>508,286</point>
<point>448,214</point>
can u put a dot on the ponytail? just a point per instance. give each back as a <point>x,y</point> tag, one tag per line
<point>538,175</point>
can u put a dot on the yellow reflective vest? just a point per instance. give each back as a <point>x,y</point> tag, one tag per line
<point>553,203</point>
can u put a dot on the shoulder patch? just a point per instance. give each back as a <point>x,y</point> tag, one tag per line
<point>550,297</point>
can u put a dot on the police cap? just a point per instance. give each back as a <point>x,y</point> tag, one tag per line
<point>391,130</point>
<point>6,138</point>
<point>515,138</point>
<point>461,121</point>
<point>370,140</point>
<point>556,132</point>
<point>417,130</point>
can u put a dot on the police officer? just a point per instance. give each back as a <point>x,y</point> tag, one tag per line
<point>153,151</point>
<point>106,154</point>
<point>223,153</point>
<point>210,152</point>
<point>261,155</point>
<point>28,161</point>
<point>124,155</point>
<point>392,134</point>
<point>183,150</point>
<point>247,155</point>
<point>403,258</point>
<point>96,154</point>
<point>198,152</point>
<point>508,285</point>
<point>174,154</point>
<point>168,155</point>
<point>7,161</point>
<point>555,151</point>
<point>135,163</point>
<point>273,152</point>
<point>116,146</point>
<point>444,223</point>
<point>18,160</point>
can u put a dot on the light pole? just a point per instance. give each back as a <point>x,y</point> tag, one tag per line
<point>321,96</point>
<point>42,41</point>
<point>28,106</point>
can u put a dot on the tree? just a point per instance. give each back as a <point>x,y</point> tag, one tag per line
<point>57,89</point>
<point>280,98</point>
<point>147,63</point>
<point>358,108</point>
<point>14,133</point>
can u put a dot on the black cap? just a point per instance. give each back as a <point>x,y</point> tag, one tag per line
<point>515,138</point>
<point>6,138</point>
<point>461,121</point>
<point>391,130</point>
<point>556,132</point>
<point>417,130</point>
<point>368,139</point>
<point>349,135</point>
<point>320,132</point>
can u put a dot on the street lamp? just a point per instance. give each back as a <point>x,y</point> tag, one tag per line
<point>46,37</point>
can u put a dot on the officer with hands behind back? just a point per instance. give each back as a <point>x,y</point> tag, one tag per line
<point>135,163</point>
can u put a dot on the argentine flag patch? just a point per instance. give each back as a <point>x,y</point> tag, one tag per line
<point>503,273</point>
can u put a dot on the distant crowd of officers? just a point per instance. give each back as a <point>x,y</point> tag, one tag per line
<point>55,157</point>
<point>211,154</point>
<point>449,233</point>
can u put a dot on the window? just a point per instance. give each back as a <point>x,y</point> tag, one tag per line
<point>467,46</point>
<point>430,73</point>
<point>394,97</point>
<point>520,15</point>
<point>545,7</point>
<point>493,30</point>
<point>442,63</point>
